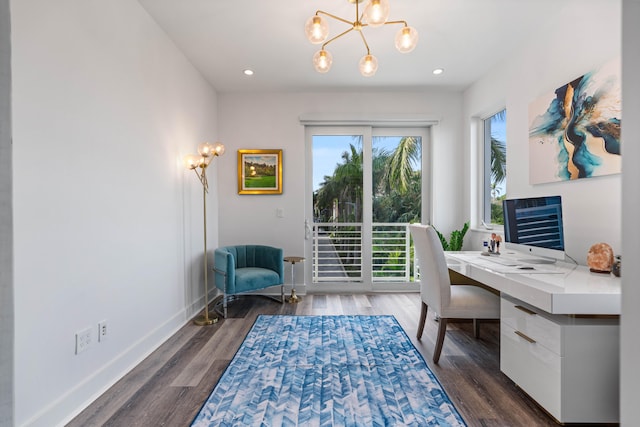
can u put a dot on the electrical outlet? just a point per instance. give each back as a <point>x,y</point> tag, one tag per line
<point>83,340</point>
<point>103,331</point>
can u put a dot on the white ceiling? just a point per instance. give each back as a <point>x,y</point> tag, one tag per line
<point>465,37</point>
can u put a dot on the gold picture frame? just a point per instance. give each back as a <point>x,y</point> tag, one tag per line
<point>260,171</point>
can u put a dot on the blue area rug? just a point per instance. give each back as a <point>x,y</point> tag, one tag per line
<point>327,371</point>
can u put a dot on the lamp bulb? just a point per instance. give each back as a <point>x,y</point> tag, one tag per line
<point>368,65</point>
<point>218,149</point>
<point>406,39</point>
<point>205,149</point>
<point>322,61</point>
<point>376,13</point>
<point>191,161</point>
<point>316,29</point>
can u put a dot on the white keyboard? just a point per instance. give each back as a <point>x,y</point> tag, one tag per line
<point>502,261</point>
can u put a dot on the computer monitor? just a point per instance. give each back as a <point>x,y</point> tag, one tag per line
<point>533,226</point>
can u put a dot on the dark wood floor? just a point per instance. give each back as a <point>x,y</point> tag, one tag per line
<point>169,387</point>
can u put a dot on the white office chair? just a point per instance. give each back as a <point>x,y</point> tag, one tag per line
<point>449,302</point>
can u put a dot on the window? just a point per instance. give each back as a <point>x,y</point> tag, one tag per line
<point>495,166</point>
<point>366,186</point>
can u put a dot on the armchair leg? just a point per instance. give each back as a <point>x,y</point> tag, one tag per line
<point>442,329</point>
<point>282,293</point>
<point>423,318</point>
<point>224,304</point>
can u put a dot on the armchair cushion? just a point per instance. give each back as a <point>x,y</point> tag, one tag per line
<point>252,278</point>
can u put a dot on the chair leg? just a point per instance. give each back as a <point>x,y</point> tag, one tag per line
<point>282,293</point>
<point>442,329</point>
<point>224,304</point>
<point>423,318</point>
<point>476,328</point>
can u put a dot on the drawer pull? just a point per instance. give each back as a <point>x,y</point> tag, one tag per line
<point>526,310</point>
<point>521,335</point>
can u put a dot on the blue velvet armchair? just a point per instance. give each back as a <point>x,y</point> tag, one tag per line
<point>245,268</point>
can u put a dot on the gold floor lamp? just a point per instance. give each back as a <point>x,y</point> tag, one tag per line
<point>198,163</point>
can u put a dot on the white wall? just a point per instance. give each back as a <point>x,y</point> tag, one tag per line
<point>630,344</point>
<point>6,223</point>
<point>271,120</point>
<point>555,55</point>
<point>107,222</point>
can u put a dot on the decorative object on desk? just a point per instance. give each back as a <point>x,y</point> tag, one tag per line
<point>456,239</point>
<point>574,132</point>
<point>494,246</point>
<point>206,152</point>
<point>616,268</point>
<point>259,171</point>
<point>600,258</point>
<point>293,260</point>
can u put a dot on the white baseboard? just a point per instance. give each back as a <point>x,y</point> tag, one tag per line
<point>66,407</point>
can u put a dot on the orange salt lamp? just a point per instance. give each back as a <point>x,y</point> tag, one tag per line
<point>600,258</point>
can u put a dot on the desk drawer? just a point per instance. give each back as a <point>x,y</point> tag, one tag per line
<point>535,369</point>
<point>532,323</point>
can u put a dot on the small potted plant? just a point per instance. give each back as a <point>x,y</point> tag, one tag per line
<point>456,238</point>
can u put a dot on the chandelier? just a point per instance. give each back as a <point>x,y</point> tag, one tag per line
<point>376,14</point>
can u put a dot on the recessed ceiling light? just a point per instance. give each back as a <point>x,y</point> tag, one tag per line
<point>438,71</point>
<point>248,72</point>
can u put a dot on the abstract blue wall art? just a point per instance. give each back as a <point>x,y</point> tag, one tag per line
<point>574,132</point>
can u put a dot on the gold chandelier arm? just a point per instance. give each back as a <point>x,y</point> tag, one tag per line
<point>358,18</point>
<point>337,18</point>
<point>338,36</point>
<point>397,22</point>
<point>364,40</point>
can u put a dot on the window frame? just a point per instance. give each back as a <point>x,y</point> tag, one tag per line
<point>366,284</point>
<point>484,175</point>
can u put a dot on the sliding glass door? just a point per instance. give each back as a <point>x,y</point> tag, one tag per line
<point>367,184</point>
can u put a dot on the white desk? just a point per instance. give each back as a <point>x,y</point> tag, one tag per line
<point>558,340</point>
<point>560,288</point>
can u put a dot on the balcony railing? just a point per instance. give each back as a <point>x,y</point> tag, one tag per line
<point>338,254</point>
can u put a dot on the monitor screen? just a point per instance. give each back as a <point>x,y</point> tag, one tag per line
<point>534,226</point>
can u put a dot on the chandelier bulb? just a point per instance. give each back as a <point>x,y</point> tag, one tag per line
<point>322,61</point>
<point>406,39</point>
<point>376,13</point>
<point>316,29</point>
<point>368,65</point>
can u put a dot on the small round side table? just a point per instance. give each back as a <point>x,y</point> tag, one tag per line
<point>293,260</point>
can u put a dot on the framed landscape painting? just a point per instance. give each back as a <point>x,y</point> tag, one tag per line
<point>259,171</point>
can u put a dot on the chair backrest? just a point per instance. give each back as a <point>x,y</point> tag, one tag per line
<point>435,285</point>
<point>253,256</point>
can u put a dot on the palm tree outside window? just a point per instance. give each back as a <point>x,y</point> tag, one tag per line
<point>495,166</point>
